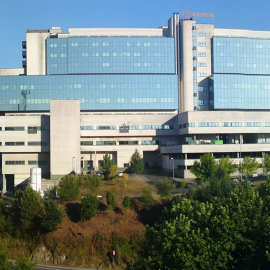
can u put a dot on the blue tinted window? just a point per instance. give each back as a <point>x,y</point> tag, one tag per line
<point>241,55</point>
<point>95,92</point>
<point>77,55</point>
<point>249,92</point>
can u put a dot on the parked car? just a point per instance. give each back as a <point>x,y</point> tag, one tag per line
<point>254,175</point>
<point>120,173</point>
<point>99,173</point>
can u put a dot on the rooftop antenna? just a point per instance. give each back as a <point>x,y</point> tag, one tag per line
<point>24,93</point>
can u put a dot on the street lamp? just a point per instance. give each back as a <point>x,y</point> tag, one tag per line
<point>172,166</point>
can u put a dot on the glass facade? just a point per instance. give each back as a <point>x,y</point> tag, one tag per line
<point>95,55</point>
<point>241,68</point>
<point>241,55</point>
<point>247,92</point>
<point>95,92</point>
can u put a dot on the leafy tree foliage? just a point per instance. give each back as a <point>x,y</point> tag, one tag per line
<point>26,208</point>
<point>205,168</point>
<point>89,206</point>
<point>111,202</point>
<point>214,188</point>
<point>108,168</point>
<point>249,166</point>
<point>126,202</point>
<point>69,188</point>
<point>165,186</point>
<point>52,216</point>
<point>266,162</point>
<point>92,182</point>
<point>222,234</point>
<point>224,168</point>
<point>136,163</point>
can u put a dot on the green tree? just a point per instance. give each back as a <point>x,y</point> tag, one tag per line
<point>224,168</point>
<point>26,209</point>
<point>113,172</point>
<point>52,216</point>
<point>69,188</point>
<point>249,166</point>
<point>266,162</point>
<point>165,186</point>
<point>214,188</point>
<point>222,234</point>
<point>89,206</point>
<point>24,263</point>
<point>107,166</point>
<point>5,264</point>
<point>126,202</point>
<point>205,168</point>
<point>111,202</point>
<point>92,182</point>
<point>136,163</point>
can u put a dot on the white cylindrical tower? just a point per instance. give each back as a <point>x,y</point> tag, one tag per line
<point>35,179</point>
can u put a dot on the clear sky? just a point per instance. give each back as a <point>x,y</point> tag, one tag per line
<point>16,16</point>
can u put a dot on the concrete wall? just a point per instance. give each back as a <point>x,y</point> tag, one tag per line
<point>11,71</point>
<point>241,33</point>
<point>65,137</point>
<point>186,45</point>
<point>208,29</point>
<point>36,52</point>
<point>143,32</point>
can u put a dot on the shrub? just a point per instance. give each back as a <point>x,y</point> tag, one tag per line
<point>69,188</point>
<point>92,182</point>
<point>23,263</point>
<point>147,196</point>
<point>111,202</point>
<point>165,186</point>
<point>126,202</point>
<point>183,184</point>
<point>89,206</point>
<point>51,217</point>
<point>5,264</point>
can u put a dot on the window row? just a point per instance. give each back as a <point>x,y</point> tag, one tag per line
<point>128,127</point>
<point>22,162</point>
<point>31,143</point>
<point>225,124</point>
<point>22,128</point>
<point>144,142</point>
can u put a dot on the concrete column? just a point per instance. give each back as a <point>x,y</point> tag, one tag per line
<point>4,183</point>
<point>95,162</point>
<point>65,153</point>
